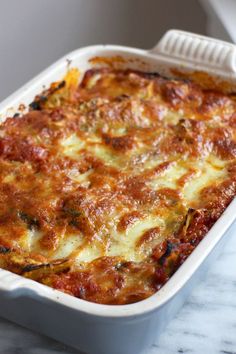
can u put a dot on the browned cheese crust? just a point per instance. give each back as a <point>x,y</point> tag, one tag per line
<point>107,186</point>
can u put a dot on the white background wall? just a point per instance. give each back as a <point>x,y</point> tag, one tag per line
<point>221,19</point>
<point>34,33</point>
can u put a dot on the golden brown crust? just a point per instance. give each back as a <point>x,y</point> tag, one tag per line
<point>114,187</point>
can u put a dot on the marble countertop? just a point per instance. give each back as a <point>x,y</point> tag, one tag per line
<point>206,324</point>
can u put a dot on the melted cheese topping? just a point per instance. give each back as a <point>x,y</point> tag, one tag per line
<point>106,187</point>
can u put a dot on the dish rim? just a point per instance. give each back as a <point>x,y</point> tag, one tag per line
<point>16,285</point>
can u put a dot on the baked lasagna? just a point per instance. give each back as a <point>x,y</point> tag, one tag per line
<point>108,184</point>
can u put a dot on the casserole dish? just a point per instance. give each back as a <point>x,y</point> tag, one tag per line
<point>105,329</point>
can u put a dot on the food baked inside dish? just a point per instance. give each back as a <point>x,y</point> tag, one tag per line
<point>107,186</point>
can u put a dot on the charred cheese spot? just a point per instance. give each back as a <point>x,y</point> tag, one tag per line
<point>107,185</point>
<point>119,143</point>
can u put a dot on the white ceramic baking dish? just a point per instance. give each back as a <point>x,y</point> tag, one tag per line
<point>126,329</point>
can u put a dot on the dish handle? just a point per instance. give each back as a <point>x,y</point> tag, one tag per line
<point>198,50</point>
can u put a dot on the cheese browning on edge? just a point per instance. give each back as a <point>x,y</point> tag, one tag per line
<point>107,187</point>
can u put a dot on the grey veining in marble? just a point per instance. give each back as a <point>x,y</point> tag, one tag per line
<point>205,325</point>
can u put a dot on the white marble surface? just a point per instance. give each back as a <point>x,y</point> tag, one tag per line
<point>205,325</point>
